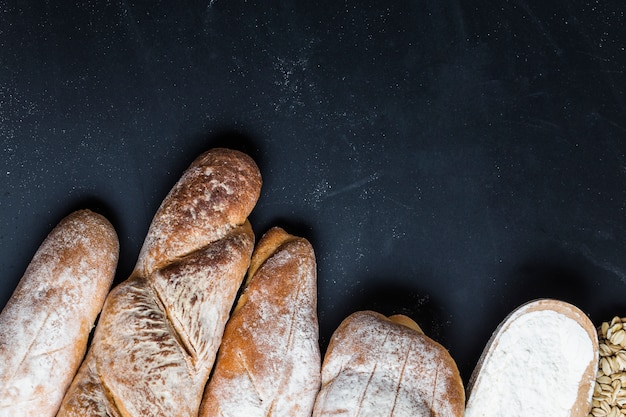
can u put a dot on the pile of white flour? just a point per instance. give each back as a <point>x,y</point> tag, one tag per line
<point>534,370</point>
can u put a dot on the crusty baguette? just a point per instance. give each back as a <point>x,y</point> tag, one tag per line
<point>159,330</point>
<point>46,323</point>
<point>378,366</point>
<point>269,361</point>
<point>541,360</point>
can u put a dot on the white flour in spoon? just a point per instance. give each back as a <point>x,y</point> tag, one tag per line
<point>534,370</point>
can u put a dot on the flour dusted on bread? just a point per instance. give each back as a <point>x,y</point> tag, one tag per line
<point>215,195</point>
<point>269,361</point>
<point>159,331</point>
<point>378,366</point>
<point>45,325</point>
<point>538,364</point>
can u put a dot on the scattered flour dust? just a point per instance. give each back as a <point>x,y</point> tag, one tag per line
<point>534,370</point>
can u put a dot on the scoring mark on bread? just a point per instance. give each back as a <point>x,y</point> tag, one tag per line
<point>250,375</point>
<point>434,392</point>
<point>363,394</point>
<point>27,352</point>
<point>190,353</point>
<point>292,320</point>
<point>399,384</point>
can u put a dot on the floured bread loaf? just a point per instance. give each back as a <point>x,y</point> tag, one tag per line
<point>269,361</point>
<point>159,331</point>
<point>540,361</point>
<point>45,326</point>
<point>377,366</point>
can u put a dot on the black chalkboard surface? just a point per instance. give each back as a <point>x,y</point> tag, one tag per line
<point>448,160</point>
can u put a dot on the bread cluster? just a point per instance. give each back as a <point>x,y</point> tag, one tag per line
<point>211,323</point>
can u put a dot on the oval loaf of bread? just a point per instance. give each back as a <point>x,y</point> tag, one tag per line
<point>269,361</point>
<point>379,366</point>
<point>46,323</point>
<point>159,330</point>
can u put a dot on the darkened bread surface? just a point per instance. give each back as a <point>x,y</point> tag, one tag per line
<point>214,195</point>
<point>375,366</point>
<point>159,331</point>
<point>46,323</point>
<point>269,361</point>
<point>531,339</point>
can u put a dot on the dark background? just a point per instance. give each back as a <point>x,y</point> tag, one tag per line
<point>448,160</point>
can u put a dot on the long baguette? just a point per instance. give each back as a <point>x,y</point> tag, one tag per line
<point>159,331</point>
<point>46,323</point>
<point>269,361</point>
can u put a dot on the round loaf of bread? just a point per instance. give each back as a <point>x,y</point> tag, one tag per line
<point>379,366</point>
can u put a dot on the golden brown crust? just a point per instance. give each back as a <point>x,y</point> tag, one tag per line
<point>406,321</point>
<point>267,246</point>
<point>215,194</point>
<point>269,361</point>
<point>159,331</point>
<point>377,366</point>
<point>45,325</point>
<point>89,398</point>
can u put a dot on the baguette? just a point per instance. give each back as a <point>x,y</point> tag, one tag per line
<point>45,325</point>
<point>269,361</point>
<point>541,360</point>
<point>377,366</point>
<point>159,331</point>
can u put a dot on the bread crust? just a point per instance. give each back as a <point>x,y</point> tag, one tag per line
<point>378,366</point>
<point>45,326</point>
<point>159,331</point>
<point>269,362</point>
<point>213,196</point>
